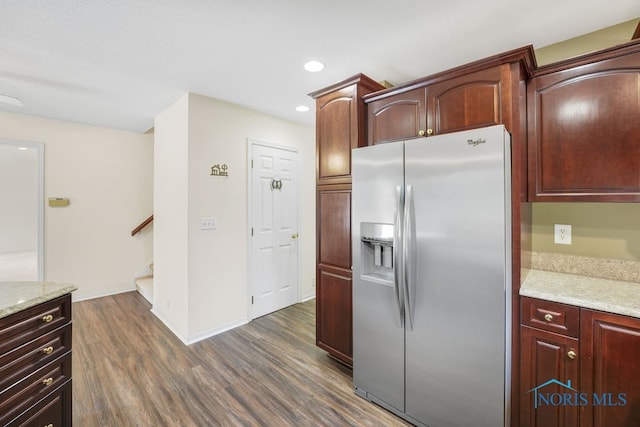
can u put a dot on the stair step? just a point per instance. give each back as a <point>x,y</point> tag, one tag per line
<point>144,285</point>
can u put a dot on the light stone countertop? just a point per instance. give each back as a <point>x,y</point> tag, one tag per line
<point>17,296</point>
<point>612,296</point>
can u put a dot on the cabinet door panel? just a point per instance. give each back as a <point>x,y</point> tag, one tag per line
<point>335,133</point>
<point>544,357</point>
<point>334,312</point>
<point>465,102</point>
<point>397,117</point>
<point>610,347</point>
<point>584,133</point>
<point>334,225</point>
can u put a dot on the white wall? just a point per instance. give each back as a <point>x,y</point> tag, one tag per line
<point>170,229</point>
<point>108,176</point>
<point>217,259</point>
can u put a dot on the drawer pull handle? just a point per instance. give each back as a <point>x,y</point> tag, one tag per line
<point>48,318</point>
<point>47,350</point>
<point>571,354</point>
<point>548,317</point>
<point>47,382</point>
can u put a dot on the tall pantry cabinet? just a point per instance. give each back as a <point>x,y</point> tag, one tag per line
<point>340,126</point>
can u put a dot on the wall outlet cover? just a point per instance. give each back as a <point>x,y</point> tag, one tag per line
<point>562,234</point>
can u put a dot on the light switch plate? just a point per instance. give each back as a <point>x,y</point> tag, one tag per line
<point>562,234</point>
<point>207,223</point>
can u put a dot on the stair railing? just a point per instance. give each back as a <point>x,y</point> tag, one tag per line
<point>142,225</point>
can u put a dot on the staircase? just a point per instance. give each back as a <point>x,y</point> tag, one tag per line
<point>144,285</point>
<point>144,279</point>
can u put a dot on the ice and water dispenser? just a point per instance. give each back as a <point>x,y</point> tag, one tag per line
<point>377,250</point>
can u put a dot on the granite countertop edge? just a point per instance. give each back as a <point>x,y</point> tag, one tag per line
<point>24,295</point>
<point>607,295</point>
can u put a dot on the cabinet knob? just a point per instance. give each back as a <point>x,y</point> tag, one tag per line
<point>548,317</point>
<point>47,382</point>
<point>48,318</point>
<point>49,425</point>
<point>421,132</point>
<point>47,350</point>
<point>429,131</point>
<point>571,354</point>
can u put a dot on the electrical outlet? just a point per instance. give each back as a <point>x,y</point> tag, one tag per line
<point>207,223</point>
<point>562,234</point>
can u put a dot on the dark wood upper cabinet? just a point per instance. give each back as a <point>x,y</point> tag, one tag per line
<point>398,117</point>
<point>479,94</point>
<point>584,128</point>
<point>340,126</point>
<point>466,102</point>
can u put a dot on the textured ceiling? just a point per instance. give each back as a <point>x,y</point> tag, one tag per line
<point>119,63</point>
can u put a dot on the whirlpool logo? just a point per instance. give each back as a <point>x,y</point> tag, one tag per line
<point>571,397</point>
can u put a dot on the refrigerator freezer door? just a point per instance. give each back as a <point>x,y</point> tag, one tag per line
<point>378,335</point>
<point>456,351</point>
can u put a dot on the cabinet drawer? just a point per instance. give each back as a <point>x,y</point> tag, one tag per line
<point>28,324</point>
<point>551,316</point>
<point>53,410</point>
<point>24,394</point>
<point>23,360</point>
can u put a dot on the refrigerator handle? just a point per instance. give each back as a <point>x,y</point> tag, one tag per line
<point>409,255</point>
<point>398,268</point>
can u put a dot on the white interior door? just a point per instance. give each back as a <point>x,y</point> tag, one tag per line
<point>274,228</point>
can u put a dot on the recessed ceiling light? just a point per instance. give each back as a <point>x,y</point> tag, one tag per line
<point>5,99</point>
<point>302,108</point>
<point>314,66</point>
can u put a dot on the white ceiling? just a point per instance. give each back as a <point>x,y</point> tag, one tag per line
<point>119,63</point>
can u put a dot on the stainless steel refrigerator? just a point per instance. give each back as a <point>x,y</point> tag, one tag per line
<point>431,223</point>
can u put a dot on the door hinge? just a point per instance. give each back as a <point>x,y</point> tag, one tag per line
<point>251,299</point>
<point>251,231</point>
<point>251,163</point>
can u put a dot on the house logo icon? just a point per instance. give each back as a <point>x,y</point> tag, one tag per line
<point>535,390</point>
<point>569,396</point>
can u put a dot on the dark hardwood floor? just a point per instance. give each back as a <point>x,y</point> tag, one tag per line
<point>130,370</point>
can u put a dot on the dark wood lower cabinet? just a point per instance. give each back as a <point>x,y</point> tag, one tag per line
<point>54,410</point>
<point>610,369</point>
<point>545,357</point>
<point>333,271</point>
<point>35,365</point>
<point>334,313</point>
<point>589,377</point>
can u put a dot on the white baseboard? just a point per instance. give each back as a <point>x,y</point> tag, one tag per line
<point>200,336</point>
<point>308,297</point>
<point>209,334</point>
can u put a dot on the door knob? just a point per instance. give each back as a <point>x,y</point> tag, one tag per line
<point>294,236</point>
